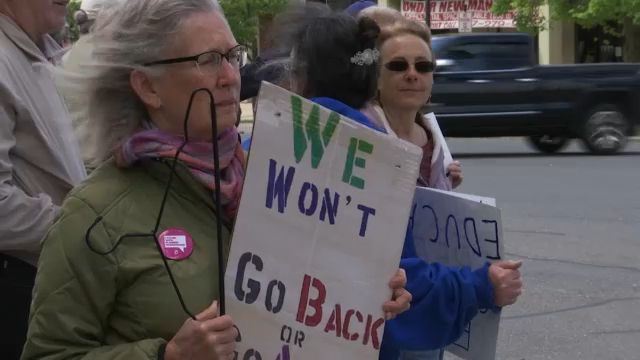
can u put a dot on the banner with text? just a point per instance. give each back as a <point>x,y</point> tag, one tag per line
<point>445,14</point>
<point>461,230</point>
<point>319,232</point>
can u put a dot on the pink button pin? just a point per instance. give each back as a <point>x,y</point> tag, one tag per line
<point>176,243</point>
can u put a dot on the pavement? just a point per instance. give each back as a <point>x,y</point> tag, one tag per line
<point>574,219</point>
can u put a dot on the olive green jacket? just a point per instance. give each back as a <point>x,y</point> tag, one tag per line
<point>122,305</point>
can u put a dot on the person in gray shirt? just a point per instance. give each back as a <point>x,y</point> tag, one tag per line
<point>39,157</point>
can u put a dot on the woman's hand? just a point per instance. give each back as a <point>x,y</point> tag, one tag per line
<point>506,281</point>
<point>209,337</point>
<point>401,299</point>
<point>454,172</point>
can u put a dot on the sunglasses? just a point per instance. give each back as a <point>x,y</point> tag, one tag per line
<point>423,67</point>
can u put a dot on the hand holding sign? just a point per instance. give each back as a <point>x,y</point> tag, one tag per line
<point>319,233</point>
<point>466,230</point>
<point>506,281</point>
<point>401,299</point>
<point>209,337</point>
<point>454,172</point>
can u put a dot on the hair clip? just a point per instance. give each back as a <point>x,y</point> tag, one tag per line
<point>365,57</point>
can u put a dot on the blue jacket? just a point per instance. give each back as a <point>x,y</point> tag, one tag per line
<point>337,106</point>
<point>445,298</point>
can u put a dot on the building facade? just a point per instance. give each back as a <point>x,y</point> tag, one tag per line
<point>560,43</point>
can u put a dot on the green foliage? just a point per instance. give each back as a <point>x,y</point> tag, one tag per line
<point>595,12</point>
<point>74,33</point>
<point>243,18</point>
<point>527,16</point>
<point>584,12</point>
<point>611,14</point>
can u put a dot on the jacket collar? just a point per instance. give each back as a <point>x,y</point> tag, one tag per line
<point>184,181</point>
<point>50,53</point>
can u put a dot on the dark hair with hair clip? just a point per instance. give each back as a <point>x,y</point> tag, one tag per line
<point>324,44</point>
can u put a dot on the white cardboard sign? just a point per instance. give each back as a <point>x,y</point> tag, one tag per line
<point>461,230</point>
<point>319,233</point>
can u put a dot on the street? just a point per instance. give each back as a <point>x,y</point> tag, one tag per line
<point>574,219</point>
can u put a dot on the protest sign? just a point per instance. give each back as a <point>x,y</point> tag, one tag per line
<point>461,230</point>
<point>319,232</point>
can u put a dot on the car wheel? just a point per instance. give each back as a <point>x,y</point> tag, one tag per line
<point>547,143</point>
<point>605,130</point>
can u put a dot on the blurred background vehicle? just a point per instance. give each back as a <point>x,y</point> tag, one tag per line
<point>490,85</point>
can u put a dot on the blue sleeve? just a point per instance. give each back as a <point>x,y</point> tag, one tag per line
<point>338,107</point>
<point>445,299</point>
<point>409,247</point>
<point>246,144</point>
<point>345,110</point>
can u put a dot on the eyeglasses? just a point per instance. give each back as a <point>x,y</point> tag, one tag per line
<point>423,67</point>
<point>209,62</point>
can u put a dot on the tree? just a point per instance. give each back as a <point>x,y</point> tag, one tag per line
<point>74,5</point>
<point>587,13</point>
<point>244,15</point>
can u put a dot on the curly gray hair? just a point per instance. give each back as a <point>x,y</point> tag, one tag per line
<point>124,37</point>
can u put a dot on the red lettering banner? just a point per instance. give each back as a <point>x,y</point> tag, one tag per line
<point>444,13</point>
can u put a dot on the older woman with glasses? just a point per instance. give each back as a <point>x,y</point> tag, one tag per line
<point>102,289</point>
<point>131,268</point>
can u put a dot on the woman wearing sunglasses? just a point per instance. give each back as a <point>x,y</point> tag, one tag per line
<point>445,299</point>
<point>404,87</point>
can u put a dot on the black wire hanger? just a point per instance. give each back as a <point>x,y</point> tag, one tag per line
<point>216,199</point>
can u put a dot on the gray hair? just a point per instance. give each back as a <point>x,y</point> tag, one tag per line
<point>83,21</point>
<point>125,37</point>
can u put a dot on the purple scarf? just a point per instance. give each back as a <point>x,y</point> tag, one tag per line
<point>197,156</point>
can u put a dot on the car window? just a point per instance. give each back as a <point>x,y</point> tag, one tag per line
<point>478,56</point>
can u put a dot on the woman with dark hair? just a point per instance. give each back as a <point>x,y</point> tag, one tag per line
<point>333,59</point>
<point>335,62</point>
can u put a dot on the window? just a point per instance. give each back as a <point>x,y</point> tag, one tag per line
<point>479,56</point>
